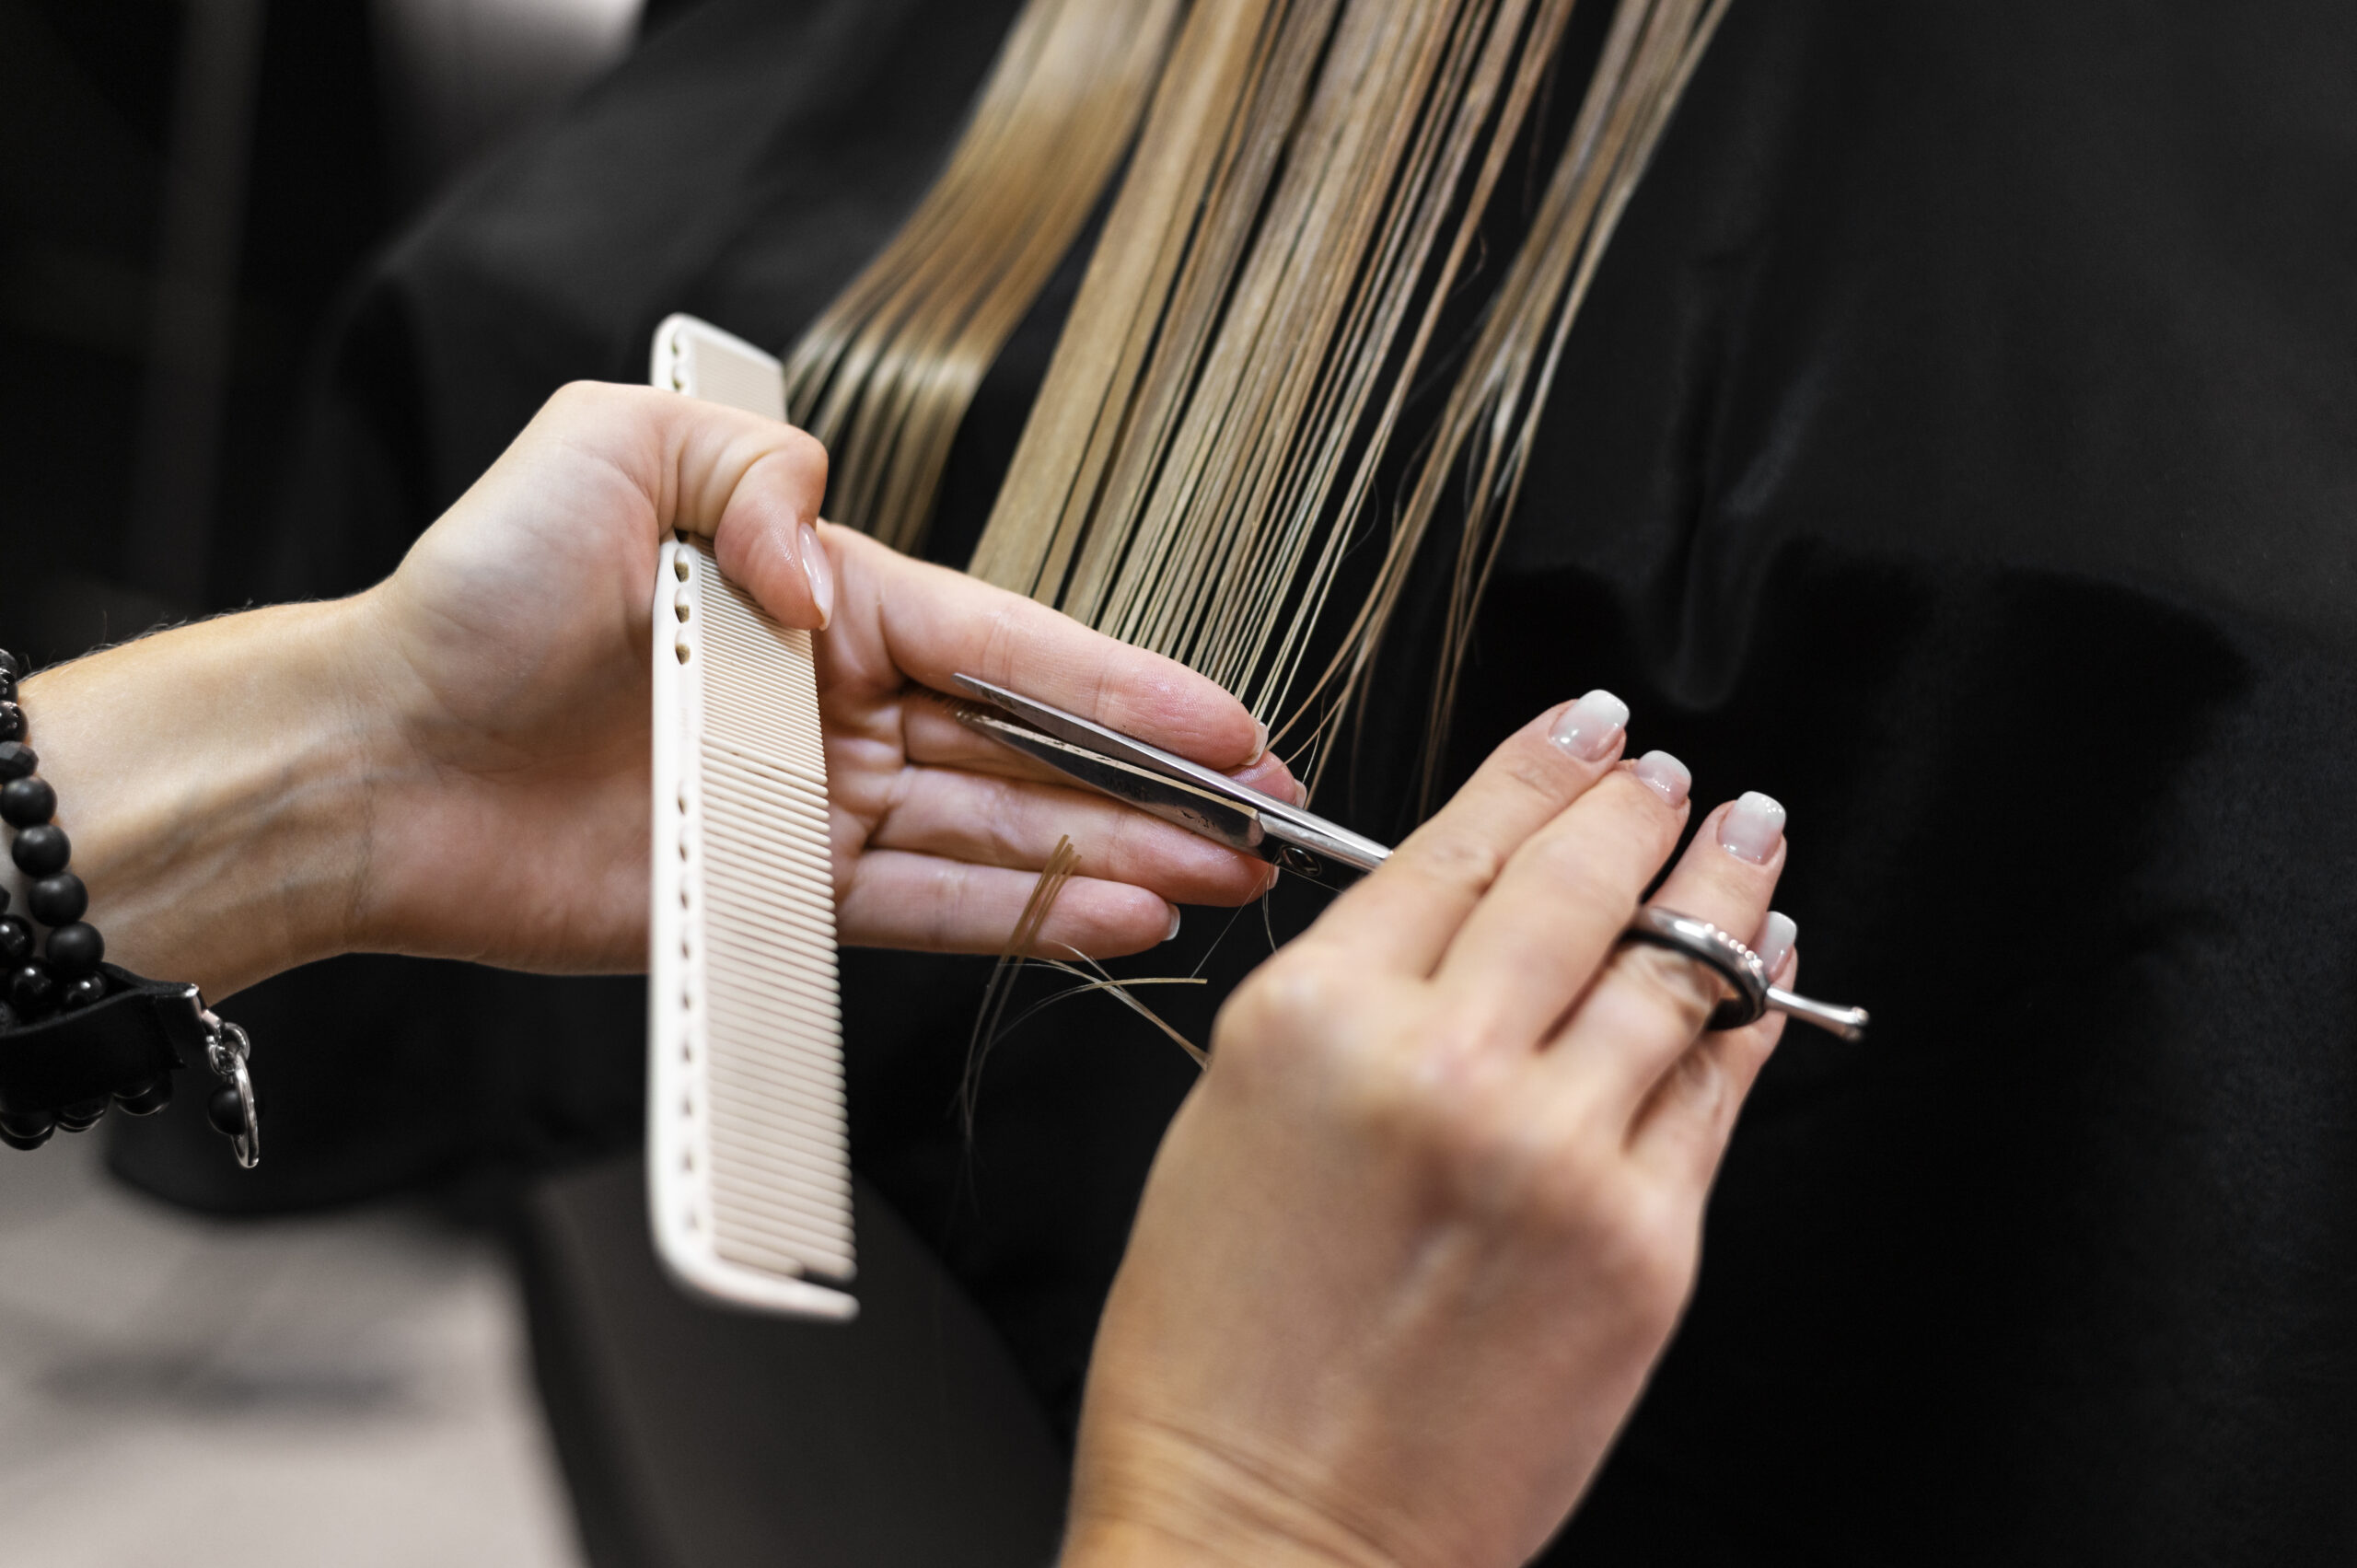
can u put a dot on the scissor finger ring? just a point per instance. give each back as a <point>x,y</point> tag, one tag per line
<point>1740,967</point>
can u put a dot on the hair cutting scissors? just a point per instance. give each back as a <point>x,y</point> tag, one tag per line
<point>1211,804</point>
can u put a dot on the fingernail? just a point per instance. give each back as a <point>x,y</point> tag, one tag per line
<point>1300,793</point>
<point>1591,727</point>
<point>1666,776</point>
<point>1260,746</point>
<point>1751,830</point>
<point>1774,943</point>
<point>821,575</point>
<point>1173,933</point>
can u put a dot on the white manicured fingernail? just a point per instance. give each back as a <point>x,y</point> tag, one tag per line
<point>1751,830</point>
<point>815,567</point>
<point>1300,793</point>
<point>1666,776</point>
<point>1591,727</point>
<point>1172,934</point>
<point>1774,943</point>
<point>1260,746</point>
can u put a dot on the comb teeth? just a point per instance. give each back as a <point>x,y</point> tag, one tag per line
<point>752,1160</point>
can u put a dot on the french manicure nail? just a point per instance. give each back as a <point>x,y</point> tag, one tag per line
<point>1751,827</point>
<point>1261,744</point>
<point>1774,943</point>
<point>1591,727</point>
<point>821,575</point>
<point>1666,776</point>
<point>1172,934</point>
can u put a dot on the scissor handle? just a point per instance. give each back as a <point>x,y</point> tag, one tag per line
<point>1735,963</point>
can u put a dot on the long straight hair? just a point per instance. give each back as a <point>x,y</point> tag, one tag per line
<point>1306,186</point>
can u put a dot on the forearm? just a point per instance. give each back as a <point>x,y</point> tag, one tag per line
<point>215,781</point>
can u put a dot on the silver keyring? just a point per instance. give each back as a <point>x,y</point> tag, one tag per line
<point>226,1050</point>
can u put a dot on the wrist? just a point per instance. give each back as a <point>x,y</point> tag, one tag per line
<point>216,781</point>
<point>1151,1494</point>
<point>1136,1543</point>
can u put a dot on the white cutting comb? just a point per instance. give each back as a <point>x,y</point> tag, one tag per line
<point>748,1158</point>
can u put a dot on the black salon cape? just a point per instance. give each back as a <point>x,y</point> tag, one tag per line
<point>1961,445</point>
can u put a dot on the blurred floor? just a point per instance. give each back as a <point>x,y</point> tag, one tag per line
<point>350,1390</point>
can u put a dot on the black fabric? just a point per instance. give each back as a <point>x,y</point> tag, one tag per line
<point>703,1438</point>
<point>1957,447</point>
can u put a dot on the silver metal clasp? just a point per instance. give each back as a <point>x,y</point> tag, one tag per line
<point>227,1048</point>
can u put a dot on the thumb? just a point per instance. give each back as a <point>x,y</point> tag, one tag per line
<point>753,486</point>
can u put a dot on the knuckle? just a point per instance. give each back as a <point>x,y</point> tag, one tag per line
<point>1571,865</point>
<point>1001,638</point>
<point>581,401</point>
<point>807,451</point>
<point>1104,685</point>
<point>1002,814</point>
<point>1578,1192</point>
<point>1637,1246</point>
<point>1637,826</point>
<point>1269,1016</point>
<point>1652,1263</point>
<point>1452,1110</point>
<point>1460,860</point>
<point>1537,766</point>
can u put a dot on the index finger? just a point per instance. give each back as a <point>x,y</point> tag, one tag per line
<point>934,624</point>
<point>1404,915</point>
<point>753,486</point>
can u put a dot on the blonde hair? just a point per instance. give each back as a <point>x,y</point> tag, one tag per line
<point>1305,189</point>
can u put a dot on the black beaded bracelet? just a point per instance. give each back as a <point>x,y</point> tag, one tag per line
<point>77,1033</point>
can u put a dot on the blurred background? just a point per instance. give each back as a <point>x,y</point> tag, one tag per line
<point>188,188</point>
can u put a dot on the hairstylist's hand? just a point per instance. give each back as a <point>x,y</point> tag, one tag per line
<point>1413,1244</point>
<point>455,761</point>
<point>518,643</point>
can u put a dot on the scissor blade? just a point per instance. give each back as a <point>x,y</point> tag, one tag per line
<point>1094,737</point>
<point>1213,815</point>
<point>1305,845</point>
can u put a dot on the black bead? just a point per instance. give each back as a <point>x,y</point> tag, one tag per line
<point>226,1111</point>
<point>16,940</point>
<point>82,993</point>
<point>10,666</point>
<point>18,759</point>
<point>147,1098</point>
<point>42,851</point>
<point>83,1117</point>
<point>26,1130</point>
<point>76,950</point>
<point>27,803</point>
<point>32,990</point>
<point>12,721</point>
<point>58,900</point>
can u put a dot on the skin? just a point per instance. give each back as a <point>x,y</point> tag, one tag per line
<point>1411,1247</point>
<point>1412,1244</point>
<point>455,762</point>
